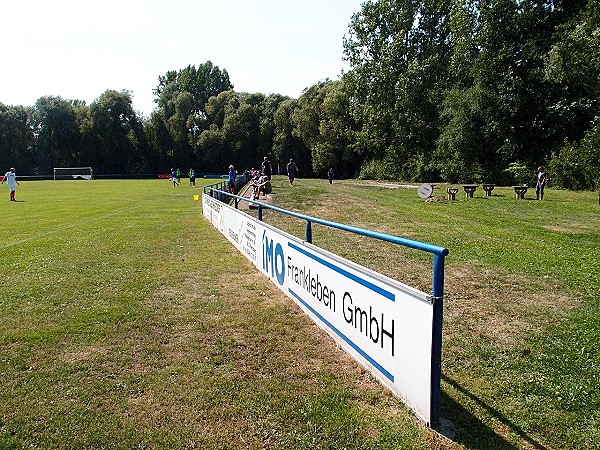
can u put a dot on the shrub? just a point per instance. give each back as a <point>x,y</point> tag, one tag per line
<point>372,170</point>
<point>577,166</point>
<point>520,173</point>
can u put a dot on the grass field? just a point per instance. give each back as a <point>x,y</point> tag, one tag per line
<point>127,321</point>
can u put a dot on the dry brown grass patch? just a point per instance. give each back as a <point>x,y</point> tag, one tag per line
<point>472,304</point>
<point>573,228</point>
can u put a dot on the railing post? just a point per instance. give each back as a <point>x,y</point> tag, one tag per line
<point>260,213</point>
<point>308,232</point>
<point>436,341</point>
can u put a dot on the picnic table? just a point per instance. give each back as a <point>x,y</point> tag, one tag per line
<point>470,189</point>
<point>488,188</point>
<point>451,193</point>
<point>520,192</point>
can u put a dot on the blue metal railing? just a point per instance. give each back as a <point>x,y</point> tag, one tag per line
<point>439,254</point>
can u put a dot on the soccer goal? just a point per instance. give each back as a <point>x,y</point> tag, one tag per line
<point>67,173</point>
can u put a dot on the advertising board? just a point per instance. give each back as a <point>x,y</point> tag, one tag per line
<point>385,325</point>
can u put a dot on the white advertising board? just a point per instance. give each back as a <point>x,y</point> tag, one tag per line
<point>385,325</point>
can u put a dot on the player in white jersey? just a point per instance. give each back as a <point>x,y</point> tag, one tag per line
<point>11,178</point>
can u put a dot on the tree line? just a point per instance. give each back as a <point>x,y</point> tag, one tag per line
<point>438,90</point>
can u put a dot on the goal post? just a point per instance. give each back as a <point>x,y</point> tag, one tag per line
<point>74,173</point>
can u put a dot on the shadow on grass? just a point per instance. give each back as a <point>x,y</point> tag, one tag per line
<point>472,432</point>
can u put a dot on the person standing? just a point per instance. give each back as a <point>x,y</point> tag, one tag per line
<point>231,179</point>
<point>11,178</point>
<point>178,176</point>
<point>174,177</point>
<point>292,171</point>
<point>266,167</point>
<point>541,182</point>
<point>192,175</point>
<point>330,175</point>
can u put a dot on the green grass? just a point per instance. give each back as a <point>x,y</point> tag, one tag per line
<point>521,358</point>
<point>128,321</point>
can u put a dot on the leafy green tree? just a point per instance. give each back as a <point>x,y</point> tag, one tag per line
<point>113,134</point>
<point>463,45</point>
<point>459,143</point>
<point>216,105</point>
<point>16,139</point>
<point>268,126</point>
<point>577,165</point>
<point>213,149</point>
<point>516,36</point>
<point>337,129</point>
<point>306,119</point>
<point>183,130</point>
<point>460,146</point>
<point>55,125</point>
<point>322,119</point>
<point>573,68</point>
<point>398,51</point>
<point>485,111</point>
<point>459,89</point>
<point>203,82</point>
<point>160,143</point>
<point>210,145</point>
<point>182,97</point>
<point>520,173</point>
<point>241,130</point>
<point>379,48</point>
<point>286,145</point>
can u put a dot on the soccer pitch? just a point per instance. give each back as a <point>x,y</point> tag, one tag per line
<point>127,321</point>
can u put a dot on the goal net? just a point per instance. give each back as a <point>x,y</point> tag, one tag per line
<point>68,173</point>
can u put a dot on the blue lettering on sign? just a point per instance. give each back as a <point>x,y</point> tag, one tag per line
<point>345,338</point>
<point>273,259</point>
<point>381,291</point>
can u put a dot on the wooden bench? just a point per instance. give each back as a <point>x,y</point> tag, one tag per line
<point>470,189</point>
<point>451,193</point>
<point>488,188</point>
<point>520,192</point>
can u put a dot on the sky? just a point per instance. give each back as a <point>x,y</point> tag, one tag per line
<point>77,49</point>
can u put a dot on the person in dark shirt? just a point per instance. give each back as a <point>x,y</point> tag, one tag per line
<point>266,168</point>
<point>292,171</point>
<point>330,175</point>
